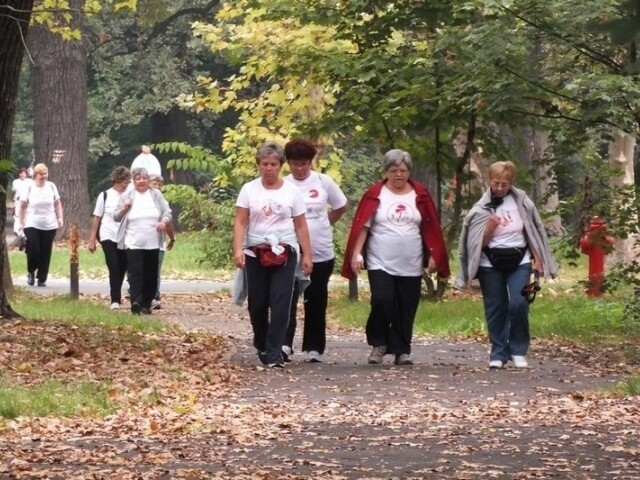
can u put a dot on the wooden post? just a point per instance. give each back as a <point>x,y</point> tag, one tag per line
<point>73,261</point>
<point>353,289</point>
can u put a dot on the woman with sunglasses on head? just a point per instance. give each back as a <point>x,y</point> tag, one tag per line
<point>502,239</point>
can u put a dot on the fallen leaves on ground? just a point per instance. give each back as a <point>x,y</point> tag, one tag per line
<point>188,412</point>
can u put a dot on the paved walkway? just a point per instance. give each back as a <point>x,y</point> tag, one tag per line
<point>447,416</point>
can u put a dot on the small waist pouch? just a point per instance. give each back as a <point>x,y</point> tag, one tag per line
<point>269,259</point>
<point>505,259</point>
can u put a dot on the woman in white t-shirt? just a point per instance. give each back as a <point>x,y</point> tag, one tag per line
<point>503,239</point>
<point>270,222</point>
<point>144,214</point>
<point>396,233</point>
<point>105,228</point>
<point>16,187</point>
<point>39,217</point>
<point>325,204</point>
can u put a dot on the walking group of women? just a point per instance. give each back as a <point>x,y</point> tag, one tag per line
<point>283,248</point>
<point>130,223</point>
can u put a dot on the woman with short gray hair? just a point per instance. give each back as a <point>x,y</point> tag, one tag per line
<point>270,235</point>
<point>395,234</point>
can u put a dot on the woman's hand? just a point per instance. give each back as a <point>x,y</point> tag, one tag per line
<point>161,227</point>
<point>91,245</point>
<point>307,264</point>
<point>357,263</point>
<point>239,259</point>
<point>431,265</point>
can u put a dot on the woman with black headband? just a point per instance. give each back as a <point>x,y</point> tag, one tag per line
<point>503,239</point>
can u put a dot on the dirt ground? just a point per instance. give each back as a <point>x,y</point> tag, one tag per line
<point>447,416</point>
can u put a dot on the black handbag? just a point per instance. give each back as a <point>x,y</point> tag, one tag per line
<point>505,259</point>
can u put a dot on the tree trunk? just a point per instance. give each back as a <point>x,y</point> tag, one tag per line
<point>621,157</point>
<point>60,116</point>
<point>13,25</point>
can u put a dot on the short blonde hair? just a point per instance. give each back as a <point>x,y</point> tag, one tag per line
<point>40,168</point>
<point>503,167</point>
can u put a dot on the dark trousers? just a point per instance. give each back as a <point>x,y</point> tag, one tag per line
<point>269,293</point>
<point>116,260</point>
<point>394,303</point>
<point>142,266</point>
<point>38,249</point>
<point>315,309</point>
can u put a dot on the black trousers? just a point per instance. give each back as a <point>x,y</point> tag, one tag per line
<point>116,260</point>
<point>38,249</point>
<point>142,266</point>
<point>269,293</point>
<point>316,295</point>
<point>394,303</point>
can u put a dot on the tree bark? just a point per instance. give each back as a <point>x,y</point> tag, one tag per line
<point>60,116</point>
<point>14,24</point>
<point>621,150</point>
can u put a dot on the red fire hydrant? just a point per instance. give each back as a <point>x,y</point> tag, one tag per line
<point>596,243</point>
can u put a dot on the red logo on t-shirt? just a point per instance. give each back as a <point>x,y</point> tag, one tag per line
<point>400,214</point>
<point>313,193</point>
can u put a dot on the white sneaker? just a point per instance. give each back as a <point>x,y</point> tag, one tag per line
<point>155,304</point>
<point>287,351</point>
<point>313,357</point>
<point>115,306</point>
<point>496,364</point>
<point>519,361</point>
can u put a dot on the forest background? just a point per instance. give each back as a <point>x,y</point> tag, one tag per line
<point>553,86</point>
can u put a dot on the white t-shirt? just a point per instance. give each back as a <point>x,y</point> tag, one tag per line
<point>149,162</point>
<point>394,243</point>
<point>105,209</point>
<point>270,210</point>
<point>509,233</point>
<point>18,185</point>
<point>41,212</point>
<point>319,192</point>
<point>143,218</point>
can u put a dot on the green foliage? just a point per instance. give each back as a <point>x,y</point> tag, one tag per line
<point>199,211</point>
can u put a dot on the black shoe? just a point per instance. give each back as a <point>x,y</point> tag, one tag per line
<point>135,308</point>
<point>262,356</point>
<point>41,283</point>
<point>31,279</point>
<point>145,311</point>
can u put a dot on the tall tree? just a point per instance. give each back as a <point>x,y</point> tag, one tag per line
<point>14,24</point>
<point>60,112</point>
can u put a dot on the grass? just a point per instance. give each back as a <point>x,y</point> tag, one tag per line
<point>54,398</point>
<point>82,312</point>
<point>183,261</point>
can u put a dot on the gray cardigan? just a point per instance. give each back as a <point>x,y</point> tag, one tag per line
<point>158,199</point>
<point>470,243</point>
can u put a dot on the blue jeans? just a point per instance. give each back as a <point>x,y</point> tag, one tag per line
<point>506,310</point>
